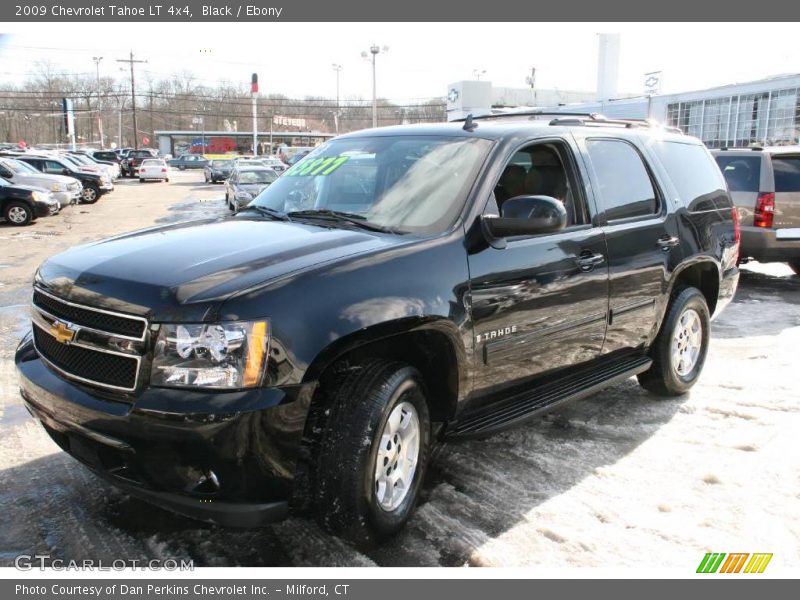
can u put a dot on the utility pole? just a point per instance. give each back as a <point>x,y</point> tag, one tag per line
<point>97,60</point>
<point>254,93</point>
<point>131,62</point>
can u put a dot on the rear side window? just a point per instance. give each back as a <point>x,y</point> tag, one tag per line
<point>695,175</point>
<point>742,173</point>
<point>787,174</point>
<point>624,185</point>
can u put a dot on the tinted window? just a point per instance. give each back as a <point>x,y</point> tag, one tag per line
<point>742,173</point>
<point>787,174</point>
<point>695,175</point>
<point>624,185</point>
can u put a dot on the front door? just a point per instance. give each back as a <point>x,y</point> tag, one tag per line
<point>540,303</point>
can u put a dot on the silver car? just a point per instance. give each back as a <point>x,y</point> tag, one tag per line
<point>66,190</point>
<point>765,187</point>
<point>245,183</point>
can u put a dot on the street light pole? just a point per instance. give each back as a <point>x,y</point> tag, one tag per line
<point>338,69</point>
<point>374,50</point>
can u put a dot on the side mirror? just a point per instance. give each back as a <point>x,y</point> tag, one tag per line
<point>65,171</point>
<point>527,215</point>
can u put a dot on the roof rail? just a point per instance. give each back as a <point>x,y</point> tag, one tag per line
<point>566,118</point>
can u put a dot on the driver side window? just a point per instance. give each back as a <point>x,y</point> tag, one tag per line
<point>542,169</point>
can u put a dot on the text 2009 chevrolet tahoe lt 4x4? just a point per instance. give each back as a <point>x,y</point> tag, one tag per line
<point>395,287</point>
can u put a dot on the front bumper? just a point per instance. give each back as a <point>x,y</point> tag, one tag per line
<point>764,245</point>
<point>227,458</point>
<point>43,209</point>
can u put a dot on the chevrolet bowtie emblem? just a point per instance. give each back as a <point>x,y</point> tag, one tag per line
<point>62,332</point>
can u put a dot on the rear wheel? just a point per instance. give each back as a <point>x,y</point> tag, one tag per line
<point>373,451</point>
<point>795,265</point>
<point>680,349</point>
<point>141,179</point>
<point>18,213</point>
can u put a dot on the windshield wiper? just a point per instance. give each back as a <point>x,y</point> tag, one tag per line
<point>270,212</point>
<point>336,215</point>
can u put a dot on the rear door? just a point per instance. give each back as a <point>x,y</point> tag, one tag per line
<point>641,235</point>
<point>786,169</point>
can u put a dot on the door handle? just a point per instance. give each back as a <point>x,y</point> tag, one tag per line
<point>587,260</point>
<point>667,242</point>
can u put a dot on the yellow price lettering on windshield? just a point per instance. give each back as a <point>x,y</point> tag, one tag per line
<point>317,166</point>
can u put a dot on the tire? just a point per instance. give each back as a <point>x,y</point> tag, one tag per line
<point>167,180</point>
<point>350,500</point>
<point>90,194</point>
<point>141,180</point>
<point>18,214</point>
<point>673,377</point>
<point>795,266</point>
<point>181,168</point>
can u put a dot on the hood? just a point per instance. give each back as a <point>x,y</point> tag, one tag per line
<point>185,271</point>
<point>28,188</point>
<point>46,179</point>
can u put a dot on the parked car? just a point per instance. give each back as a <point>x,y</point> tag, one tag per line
<point>109,168</point>
<point>245,183</point>
<point>765,187</point>
<point>153,168</point>
<point>133,159</point>
<point>397,287</point>
<point>104,155</point>
<point>111,165</point>
<point>94,184</point>
<point>271,162</point>
<point>218,170</point>
<point>189,161</point>
<point>23,204</point>
<point>67,190</point>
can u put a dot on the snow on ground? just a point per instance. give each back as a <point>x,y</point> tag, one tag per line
<point>620,479</point>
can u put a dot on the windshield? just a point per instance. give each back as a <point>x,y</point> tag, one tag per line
<point>221,164</point>
<point>404,183</point>
<point>261,176</point>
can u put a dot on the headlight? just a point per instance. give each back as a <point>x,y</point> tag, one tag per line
<point>36,196</point>
<point>244,195</point>
<point>56,188</point>
<point>215,355</point>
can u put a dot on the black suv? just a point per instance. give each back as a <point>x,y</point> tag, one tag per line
<point>396,287</point>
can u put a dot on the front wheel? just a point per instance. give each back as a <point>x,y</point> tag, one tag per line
<point>681,346</point>
<point>795,266</point>
<point>18,213</point>
<point>373,451</point>
<point>141,179</point>
<point>90,194</point>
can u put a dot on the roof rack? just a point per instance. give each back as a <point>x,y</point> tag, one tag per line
<point>578,119</point>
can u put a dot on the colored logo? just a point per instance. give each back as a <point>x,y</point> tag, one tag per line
<point>62,332</point>
<point>741,562</point>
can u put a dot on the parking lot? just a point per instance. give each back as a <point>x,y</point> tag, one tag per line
<point>620,479</point>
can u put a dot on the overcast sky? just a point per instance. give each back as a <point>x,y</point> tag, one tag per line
<point>295,59</point>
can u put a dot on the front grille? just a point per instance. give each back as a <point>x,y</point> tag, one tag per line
<point>89,365</point>
<point>115,324</point>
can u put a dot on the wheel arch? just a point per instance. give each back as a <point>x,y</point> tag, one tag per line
<point>703,273</point>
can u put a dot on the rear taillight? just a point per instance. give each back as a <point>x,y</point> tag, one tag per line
<point>163,170</point>
<point>765,210</point>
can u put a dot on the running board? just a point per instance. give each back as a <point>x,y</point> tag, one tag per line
<point>528,403</point>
